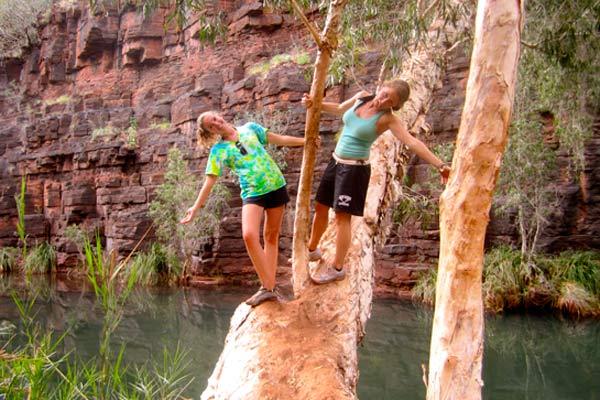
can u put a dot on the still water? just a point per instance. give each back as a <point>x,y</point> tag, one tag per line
<point>526,356</point>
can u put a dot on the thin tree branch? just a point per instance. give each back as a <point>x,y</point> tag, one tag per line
<point>309,25</point>
<point>455,45</point>
<point>382,72</point>
<point>428,9</point>
<point>530,45</point>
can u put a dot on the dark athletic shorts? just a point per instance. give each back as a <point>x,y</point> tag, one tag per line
<point>344,187</point>
<point>272,199</point>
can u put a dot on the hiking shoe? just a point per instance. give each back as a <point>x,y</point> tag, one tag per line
<point>330,275</point>
<point>314,255</point>
<point>261,296</point>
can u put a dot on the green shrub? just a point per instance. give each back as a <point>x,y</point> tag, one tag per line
<point>162,125</point>
<point>18,24</point>
<point>574,299</point>
<point>131,132</point>
<point>424,289</point>
<point>263,68</point>
<point>41,259</point>
<point>156,266</point>
<point>64,99</point>
<point>173,198</point>
<point>503,279</point>
<point>568,282</point>
<point>8,259</point>
<point>581,267</point>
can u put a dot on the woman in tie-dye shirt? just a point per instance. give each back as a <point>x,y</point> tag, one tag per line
<point>263,188</point>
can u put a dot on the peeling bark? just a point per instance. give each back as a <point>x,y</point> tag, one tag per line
<point>457,337</point>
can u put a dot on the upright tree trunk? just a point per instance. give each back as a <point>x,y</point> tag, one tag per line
<point>457,338</point>
<point>327,43</point>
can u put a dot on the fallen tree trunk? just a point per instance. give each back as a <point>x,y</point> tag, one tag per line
<point>457,337</point>
<point>307,348</point>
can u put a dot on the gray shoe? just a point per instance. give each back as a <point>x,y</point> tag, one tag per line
<point>261,296</point>
<point>314,255</point>
<point>330,275</point>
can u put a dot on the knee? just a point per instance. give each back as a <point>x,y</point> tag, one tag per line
<point>271,236</point>
<point>321,210</point>
<point>250,235</point>
<point>342,219</point>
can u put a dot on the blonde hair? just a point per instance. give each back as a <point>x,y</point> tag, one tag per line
<point>402,90</point>
<point>204,137</point>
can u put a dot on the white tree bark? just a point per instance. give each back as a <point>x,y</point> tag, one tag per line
<point>457,338</point>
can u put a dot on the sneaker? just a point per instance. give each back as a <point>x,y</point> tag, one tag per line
<point>314,255</point>
<point>330,275</point>
<point>261,296</point>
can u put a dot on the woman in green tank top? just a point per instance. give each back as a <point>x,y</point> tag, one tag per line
<point>344,184</point>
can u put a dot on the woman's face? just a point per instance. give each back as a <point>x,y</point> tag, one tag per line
<point>214,123</point>
<point>386,98</point>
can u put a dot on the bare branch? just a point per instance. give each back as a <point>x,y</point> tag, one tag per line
<point>530,45</point>
<point>382,72</point>
<point>309,25</point>
<point>455,45</point>
<point>428,9</point>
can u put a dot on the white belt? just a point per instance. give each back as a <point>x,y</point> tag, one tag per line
<point>349,162</point>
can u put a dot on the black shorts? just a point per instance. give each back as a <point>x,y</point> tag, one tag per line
<point>272,199</point>
<point>344,187</point>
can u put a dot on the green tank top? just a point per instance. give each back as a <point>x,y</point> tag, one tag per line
<point>358,134</point>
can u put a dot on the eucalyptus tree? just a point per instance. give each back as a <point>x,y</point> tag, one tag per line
<point>455,360</point>
<point>556,102</point>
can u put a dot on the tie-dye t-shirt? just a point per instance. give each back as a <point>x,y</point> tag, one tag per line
<point>257,171</point>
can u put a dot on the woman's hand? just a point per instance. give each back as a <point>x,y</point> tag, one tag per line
<point>362,93</point>
<point>444,170</point>
<point>307,101</point>
<point>189,215</point>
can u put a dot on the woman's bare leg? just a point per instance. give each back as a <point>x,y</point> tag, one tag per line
<point>251,219</point>
<point>271,231</point>
<point>319,225</point>
<point>344,237</point>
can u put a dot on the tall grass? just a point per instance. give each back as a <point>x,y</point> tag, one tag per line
<point>157,266</point>
<point>36,370</point>
<point>103,274</point>
<point>424,289</point>
<point>20,202</point>
<point>8,259</point>
<point>569,282</point>
<point>41,259</point>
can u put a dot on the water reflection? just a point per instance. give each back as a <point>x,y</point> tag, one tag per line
<point>526,356</point>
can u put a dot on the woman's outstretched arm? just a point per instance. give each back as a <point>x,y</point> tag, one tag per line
<point>284,140</point>
<point>334,108</point>
<point>207,186</point>
<point>418,147</point>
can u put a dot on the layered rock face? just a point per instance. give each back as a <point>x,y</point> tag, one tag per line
<point>70,106</point>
